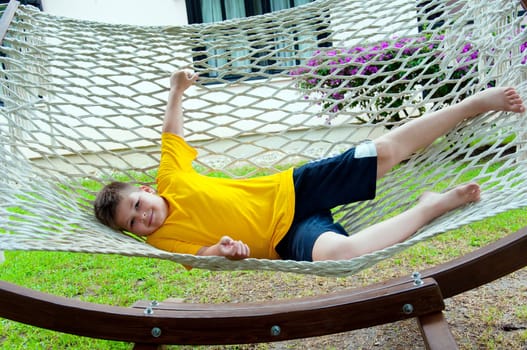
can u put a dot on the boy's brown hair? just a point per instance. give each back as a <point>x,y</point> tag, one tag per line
<point>107,200</point>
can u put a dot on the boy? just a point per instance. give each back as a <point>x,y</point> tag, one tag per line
<point>285,215</point>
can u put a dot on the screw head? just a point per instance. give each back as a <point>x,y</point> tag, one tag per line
<point>408,309</point>
<point>275,330</point>
<point>156,332</point>
<point>417,279</point>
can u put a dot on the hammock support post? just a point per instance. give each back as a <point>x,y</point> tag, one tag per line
<point>150,324</point>
<point>7,17</point>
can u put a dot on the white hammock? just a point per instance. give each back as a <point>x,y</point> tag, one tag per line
<point>83,103</point>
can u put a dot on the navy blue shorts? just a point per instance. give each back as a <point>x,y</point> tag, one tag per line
<point>319,187</point>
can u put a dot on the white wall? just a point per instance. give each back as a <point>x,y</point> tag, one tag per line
<point>135,12</point>
<point>173,12</point>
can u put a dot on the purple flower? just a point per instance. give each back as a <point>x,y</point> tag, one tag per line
<point>523,47</point>
<point>334,82</point>
<point>337,96</point>
<point>356,49</point>
<point>299,71</point>
<point>314,62</point>
<point>466,48</point>
<point>335,109</point>
<point>372,69</point>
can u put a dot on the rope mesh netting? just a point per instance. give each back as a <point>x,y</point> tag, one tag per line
<point>83,104</point>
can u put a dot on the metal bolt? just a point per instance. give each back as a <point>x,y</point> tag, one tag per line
<point>417,279</point>
<point>150,309</point>
<point>156,332</point>
<point>408,309</point>
<point>275,331</point>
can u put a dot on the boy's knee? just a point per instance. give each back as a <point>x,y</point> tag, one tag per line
<point>330,246</point>
<point>388,155</point>
<point>385,149</point>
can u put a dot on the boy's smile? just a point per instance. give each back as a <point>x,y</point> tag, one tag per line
<point>141,212</point>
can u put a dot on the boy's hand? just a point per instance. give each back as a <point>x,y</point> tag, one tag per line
<point>179,82</point>
<point>232,249</point>
<point>182,80</point>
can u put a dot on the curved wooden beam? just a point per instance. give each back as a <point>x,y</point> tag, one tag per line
<point>180,323</point>
<point>197,324</point>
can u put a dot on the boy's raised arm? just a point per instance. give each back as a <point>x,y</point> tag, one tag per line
<point>179,82</point>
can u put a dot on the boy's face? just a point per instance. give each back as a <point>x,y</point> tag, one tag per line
<point>141,212</point>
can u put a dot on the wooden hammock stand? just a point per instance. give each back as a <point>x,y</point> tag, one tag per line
<point>151,324</point>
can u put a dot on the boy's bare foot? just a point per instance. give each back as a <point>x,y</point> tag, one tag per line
<point>441,203</point>
<point>496,99</point>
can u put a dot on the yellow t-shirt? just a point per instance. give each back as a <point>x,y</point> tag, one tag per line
<point>202,209</point>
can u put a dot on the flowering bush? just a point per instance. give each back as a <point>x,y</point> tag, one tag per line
<point>380,78</point>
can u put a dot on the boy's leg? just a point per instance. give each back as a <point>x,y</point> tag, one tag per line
<point>402,142</point>
<point>333,246</point>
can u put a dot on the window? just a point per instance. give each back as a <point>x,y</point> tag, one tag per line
<point>271,56</point>
<point>206,11</point>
